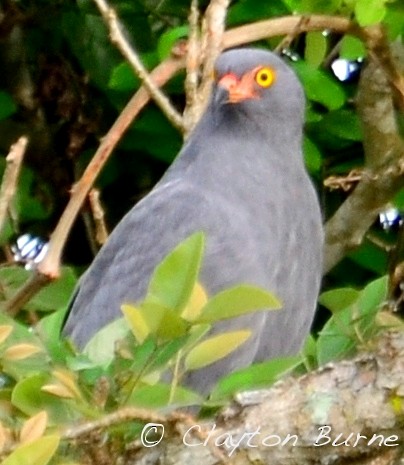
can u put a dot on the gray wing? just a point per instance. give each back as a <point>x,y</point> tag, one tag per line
<point>170,213</point>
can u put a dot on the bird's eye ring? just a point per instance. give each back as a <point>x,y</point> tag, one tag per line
<point>265,77</point>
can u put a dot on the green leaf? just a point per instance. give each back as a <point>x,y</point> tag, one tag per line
<point>316,48</point>
<point>339,337</point>
<point>215,348</point>
<point>7,105</point>
<point>57,294</point>
<point>159,395</point>
<point>320,86</point>
<point>369,12</point>
<point>38,452</point>
<point>246,11</point>
<point>352,48</point>
<point>100,349</point>
<point>341,123</point>
<point>171,326</point>
<point>373,296</point>
<point>256,376</point>
<point>313,6</point>
<point>153,319</point>
<point>12,278</point>
<point>338,299</point>
<point>123,77</point>
<point>312,156</point>
<point>137,322</point>
<point>165,353</point>
<point>48,330</point>
<point>28,397</point>
<point>393,21</point>
<point>168,39</point>
<point>174,278</point>
<point>19,369</point>
<point>237,301</point>
<point>370,257</point>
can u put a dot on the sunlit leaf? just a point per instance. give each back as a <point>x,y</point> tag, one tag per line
<point>68,379</point>
<point>28,397</point>
<point>237,301</point>
<point>58,390</point>
<point>168,39</point>
<point>20,351</point>
<point>174,278</point>
<point>352,48</point>
<point>369,12</point>
<point>34,427</point>
<point>316,48</point>
<point>338,299</point>
<point>101,347</point>
<point>195,304</point>
<point>38,452</point>
<point>5,331</point>
<point>215,348</point>
<point>159,395</point>
<point>137,323</point>
<point>253,377</point>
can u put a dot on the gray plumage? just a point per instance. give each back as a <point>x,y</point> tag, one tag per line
<point>240,177</point>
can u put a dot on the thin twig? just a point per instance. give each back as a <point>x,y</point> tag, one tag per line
<point>287,41</point>
<point>10,177</point>
<point>192,68</point>
<point>119,39</point>
<point>120,416</point>
<point>213,28</point>
<point>101,232</point>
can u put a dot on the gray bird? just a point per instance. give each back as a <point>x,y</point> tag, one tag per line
<point>240,178</point>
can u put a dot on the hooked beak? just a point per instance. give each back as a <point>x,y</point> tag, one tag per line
<point>238,89</point>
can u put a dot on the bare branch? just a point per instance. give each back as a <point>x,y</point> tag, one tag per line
<point>10,177</point>
<point>129,53</point>
<point>122,415</point>
<point>383,175</point>
<point>192,69</point>
<point>212,43</point>
<point>348,398</point>
<point>283,26</point>
<point>101,233</point>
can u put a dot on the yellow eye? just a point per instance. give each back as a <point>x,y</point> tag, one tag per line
<point>265,77</point>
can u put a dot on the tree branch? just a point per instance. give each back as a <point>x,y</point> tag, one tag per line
<point>349,397</point>
<point>383,175</point>
<point>192,68</point>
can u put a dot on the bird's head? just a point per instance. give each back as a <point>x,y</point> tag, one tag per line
<point>257,82</point>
